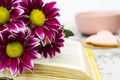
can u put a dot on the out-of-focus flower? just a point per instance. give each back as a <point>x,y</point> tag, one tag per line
<point>54,47</point>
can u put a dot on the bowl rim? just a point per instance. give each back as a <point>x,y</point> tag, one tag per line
<point>98,13</point>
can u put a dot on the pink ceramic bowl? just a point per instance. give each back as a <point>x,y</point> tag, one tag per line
<point>91,22</point>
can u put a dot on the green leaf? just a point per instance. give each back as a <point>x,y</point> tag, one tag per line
<point>67,32</point>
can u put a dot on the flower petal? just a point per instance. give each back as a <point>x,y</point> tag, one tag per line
<point>34,41</point>
<point>4,62</point>
<point>20,24</point>
<point>1,2</point>
<point>24,18</point>
<point>14,66</point>
<point>21,35</point>
<point>27,61</point>
<point>2,28</point>
<point>58,44</point>
<point>48,7</point>
<point>30,3</point>
<point>23,5</point>
<point>40,33</point>
<point>16,12</point>
<point>43,41</point>
<point>51,53</point>
<point>54,22</point>
<point>5,3</point>
<point>32,54</point>
<point>30,47</point>
<point>39,3</point>
<point>49,35</point>
<point>53,13</point>
<point>21,67</point>
<point>45,53</point>
<point>2,49</point>
<point>11,38</point>
<point>50,50</point>
<point>56,49</point>
<point>13,27</point>
<point>59,41</point>
<point>4,36</point>
<point>52,27</point>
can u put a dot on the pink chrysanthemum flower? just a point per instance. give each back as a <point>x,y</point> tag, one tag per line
<point>9,14</point>
<point>17,51</point>
<point>54,47</point>
<point>41,18</point>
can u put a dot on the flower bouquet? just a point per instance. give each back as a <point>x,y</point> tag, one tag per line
<point>28,29</point>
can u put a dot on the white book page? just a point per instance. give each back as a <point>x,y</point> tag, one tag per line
<point>71,56</point>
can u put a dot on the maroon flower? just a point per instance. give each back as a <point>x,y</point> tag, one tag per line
<point>54,47</point>
<point>9,14</point>
<point>41,18</point>
<point>17,50</point>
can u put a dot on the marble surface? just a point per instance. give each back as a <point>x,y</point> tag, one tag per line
<point>108,61</point>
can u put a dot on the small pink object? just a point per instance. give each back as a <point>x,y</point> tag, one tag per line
<point>89,23</point>
<point>103,38</point>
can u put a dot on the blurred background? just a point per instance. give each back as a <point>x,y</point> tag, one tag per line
<point>68,8</point>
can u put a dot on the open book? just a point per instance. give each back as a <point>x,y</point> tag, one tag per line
<point>70,57</point>
<point>70,64</point>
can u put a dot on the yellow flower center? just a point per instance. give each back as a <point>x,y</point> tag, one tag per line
<point>4,15</point>
<point>47,41</point>
<point>37,17</point>
<point>14,49</point>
